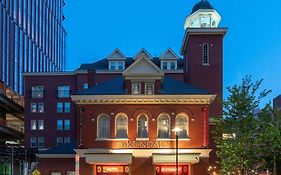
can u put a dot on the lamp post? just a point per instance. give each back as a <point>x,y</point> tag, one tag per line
<point>177,130</point>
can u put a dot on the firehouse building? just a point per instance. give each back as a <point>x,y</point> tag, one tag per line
<point>118,115</point>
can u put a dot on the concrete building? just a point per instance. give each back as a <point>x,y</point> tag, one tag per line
<point>117,115</point>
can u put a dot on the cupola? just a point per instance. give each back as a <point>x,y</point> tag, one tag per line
<point>203,15</point>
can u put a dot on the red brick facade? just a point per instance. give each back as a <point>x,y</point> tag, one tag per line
<point>184,94</point>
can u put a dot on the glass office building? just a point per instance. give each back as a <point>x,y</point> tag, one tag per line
<point>32,39</point>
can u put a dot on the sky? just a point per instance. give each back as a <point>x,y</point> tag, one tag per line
<point>252,45</point>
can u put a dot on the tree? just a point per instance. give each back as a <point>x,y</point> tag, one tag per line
<point>268,138</point>
<point>237,149</point>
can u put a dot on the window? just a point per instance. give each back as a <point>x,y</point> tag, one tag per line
<point>33,125</point>
<point>63,107</point>
<point>103,126</point>
<point>163,124</point>
<point>169,65</point>
<point>173,65</point>
<point>63,91</point>
<point>41,107</point>
<point>37,91</point>
<point>66,125</point>
<point>149,88</point>
<point>116,65</point>
<point>136,88</point>
<point>41,142</point>
<point>59,141</point>
<point>59,125</point>
<point>33,107</point>
<point>205,54</point>
<point>40,124</point>
<point>67,107</point>
<point>120,66</point>
<point>121,126</point>
<point>182,123</point>
<point>70,172</point>
<point>85,85</point>
<point>59,107</point>
<point>33,142</point>
<point>142,126</point>
<point>66,140</point>
<point>112,65</point>
<point>55,173</point>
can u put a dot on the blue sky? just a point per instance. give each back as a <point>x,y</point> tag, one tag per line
<point>252,45</point>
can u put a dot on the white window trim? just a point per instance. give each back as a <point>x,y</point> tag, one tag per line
<point>169,125</point>
<point>169,64</point>
<point>121,114</point>
<point>132,84</point>
<point>142,138</point>
<point>145,85</point>
<point>116,65</point>
<point>97,135</point>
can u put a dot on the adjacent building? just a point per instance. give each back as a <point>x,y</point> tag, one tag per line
<point>32,39</point>
<point>118,115</point>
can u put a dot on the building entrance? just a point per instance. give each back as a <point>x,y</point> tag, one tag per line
<point>112,170</point>
<point>171,170</point>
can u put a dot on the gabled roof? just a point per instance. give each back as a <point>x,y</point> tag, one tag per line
<point>116,54</point>
<point>67,148</point>
<point>111,87</point>
<point>169,54</point>
<point>143,67</point>
<point>142,53</point>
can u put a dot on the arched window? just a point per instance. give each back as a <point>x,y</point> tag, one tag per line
<point>205,54</point>
<point>182,123</point>
<point>142,126</point>
<point>121,126</point>
<point>163,126</point>
<point>103,126</point>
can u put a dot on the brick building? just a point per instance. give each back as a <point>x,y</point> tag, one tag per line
<point>117,115</point>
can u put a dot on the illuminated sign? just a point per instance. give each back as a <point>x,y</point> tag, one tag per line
<point>168,169</point>
<point>112,169</point>
<point>142,144</point>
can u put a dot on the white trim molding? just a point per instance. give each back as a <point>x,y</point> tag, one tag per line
<point>143,99</point>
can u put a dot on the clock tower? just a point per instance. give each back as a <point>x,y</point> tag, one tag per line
<point>202,49</point>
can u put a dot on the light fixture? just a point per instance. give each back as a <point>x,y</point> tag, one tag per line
<point>177,130</point>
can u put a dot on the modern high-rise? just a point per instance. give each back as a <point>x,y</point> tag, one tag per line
<point>32,39</point>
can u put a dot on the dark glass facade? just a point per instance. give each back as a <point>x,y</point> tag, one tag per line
<point>32,39</point>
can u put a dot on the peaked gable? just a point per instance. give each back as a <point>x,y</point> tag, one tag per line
<point>116,54</point>
<point>143,67</point>
<point>169,54</point>
<point>142,53</point>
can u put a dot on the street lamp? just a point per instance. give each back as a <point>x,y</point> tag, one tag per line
<point>177,130</point>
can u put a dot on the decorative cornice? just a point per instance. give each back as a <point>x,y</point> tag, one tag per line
<point>143,99</point>
<point>201,31</point>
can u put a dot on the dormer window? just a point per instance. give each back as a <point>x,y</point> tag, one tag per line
<point>136,88</point>
<point>169,65</point>
<point>116,65</point>
<point>149,88</point>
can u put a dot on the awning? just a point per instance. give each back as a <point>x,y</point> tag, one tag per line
<point>93,158</point>
<point>192,158</point>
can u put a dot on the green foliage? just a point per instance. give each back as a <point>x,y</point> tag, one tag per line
<point>254,141</point>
